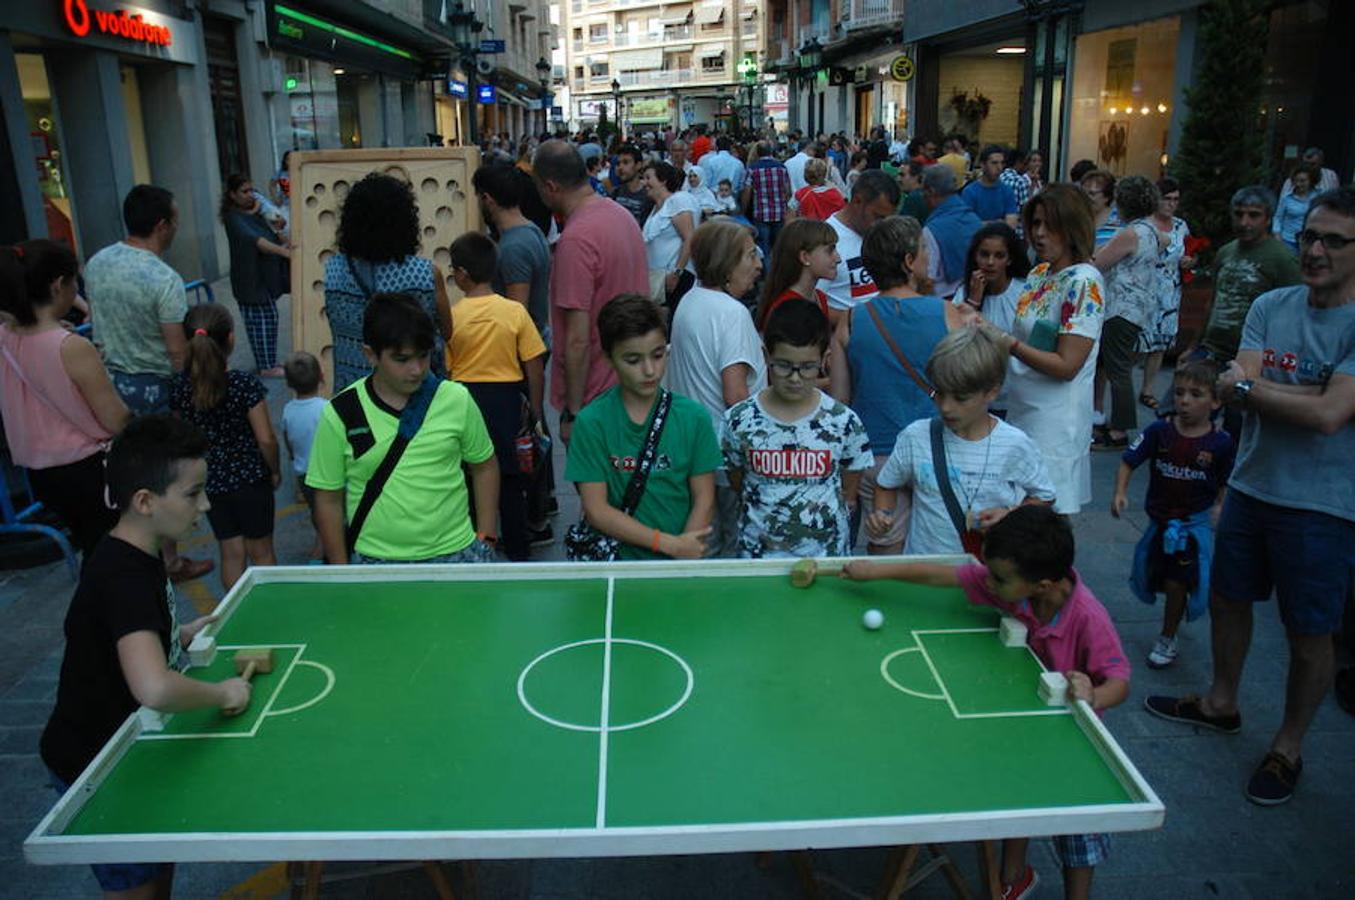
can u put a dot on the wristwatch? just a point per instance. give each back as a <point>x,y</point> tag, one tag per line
<point>1242,390</point>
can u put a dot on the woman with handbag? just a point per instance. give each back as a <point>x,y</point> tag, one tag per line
<point>644,458</point>
<point>259,267</point>
<point>57,401</point>
<point>886,343</point>
<point>378,240</point>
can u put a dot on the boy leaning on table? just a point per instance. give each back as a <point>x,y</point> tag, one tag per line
<point>123,640</point>
<point>1030,575</point>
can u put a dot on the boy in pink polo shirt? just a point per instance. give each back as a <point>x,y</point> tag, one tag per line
<point>1030,575</point>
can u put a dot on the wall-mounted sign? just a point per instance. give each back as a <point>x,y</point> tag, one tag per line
<point>486,93</point>
<point>458,89</point>
<point>492,46</point>
<point>901,68</point>
<point>130,26</point>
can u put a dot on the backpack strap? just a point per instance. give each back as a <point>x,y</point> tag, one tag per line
<point>348,405</point>
<point>957,517</point>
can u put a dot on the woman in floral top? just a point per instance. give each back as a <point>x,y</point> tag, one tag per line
<point>1053,341</point>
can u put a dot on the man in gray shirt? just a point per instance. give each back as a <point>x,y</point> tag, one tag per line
<point>1288,523</point>
<point>523,275</point>
<point>524,256</point>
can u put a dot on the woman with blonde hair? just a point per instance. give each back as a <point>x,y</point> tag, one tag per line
<point>817,200</point>
<point>717,357</point>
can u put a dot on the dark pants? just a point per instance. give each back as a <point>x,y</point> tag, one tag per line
<point>1119,337</point>
<point>75,492</point>
<point>502,405</point>
<point>766,239</point>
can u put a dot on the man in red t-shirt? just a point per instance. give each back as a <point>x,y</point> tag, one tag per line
<point>701,146</point>
<point>600,254</point>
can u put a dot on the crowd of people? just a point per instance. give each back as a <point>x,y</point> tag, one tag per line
<point>775,348</point>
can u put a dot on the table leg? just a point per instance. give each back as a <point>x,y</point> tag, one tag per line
<point>305,878</point>
<point>901,862</point>
<point>990,870</point>
<point>439,879</point>
<point>470,879</point>
<point>804,867</point>
<point>957,882</point>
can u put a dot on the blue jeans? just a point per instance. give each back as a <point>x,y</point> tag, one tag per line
<point>475,552</point>
<point>766,239</point>
<point>143,392</point>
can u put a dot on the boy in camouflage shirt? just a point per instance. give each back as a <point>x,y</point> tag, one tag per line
<point>794,453</point>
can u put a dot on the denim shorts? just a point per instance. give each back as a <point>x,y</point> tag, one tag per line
<point>1078,851</point>
<point>1305,557</point>
<point>117,876</point>
<point>143,392</point>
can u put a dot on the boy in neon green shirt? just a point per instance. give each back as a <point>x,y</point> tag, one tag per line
<point>421,513</point>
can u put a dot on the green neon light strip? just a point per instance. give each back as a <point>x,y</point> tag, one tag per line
<point>342,32</point>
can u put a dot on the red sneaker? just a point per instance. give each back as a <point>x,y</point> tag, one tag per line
<point>1023,886</point>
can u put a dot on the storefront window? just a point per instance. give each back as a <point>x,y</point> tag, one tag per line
<point>1124,83</point>
<point>312,106</point>
<point>1292,60</point>
<point>46,140</point>
<point>350,128</point>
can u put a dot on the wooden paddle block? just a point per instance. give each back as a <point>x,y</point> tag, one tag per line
<point>202,650</point>
<point>1053,688</point>
<point>1012,632</point>
<point>255,662</point>
<point>802,573</point>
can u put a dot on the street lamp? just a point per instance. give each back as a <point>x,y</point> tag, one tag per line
<point>811,55</point>
<point>748,72</point>
<point>543,70</point>
<point>616,108</point>
<point>465,28</point>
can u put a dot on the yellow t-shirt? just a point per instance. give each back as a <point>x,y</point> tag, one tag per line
<point>491,337</point>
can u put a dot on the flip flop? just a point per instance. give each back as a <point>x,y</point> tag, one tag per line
<point>1148,400</point>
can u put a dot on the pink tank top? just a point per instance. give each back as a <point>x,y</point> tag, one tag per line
<point>47,420</point>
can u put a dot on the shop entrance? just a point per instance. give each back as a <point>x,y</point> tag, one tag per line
<point>228,108</point>
<point>865,109</point>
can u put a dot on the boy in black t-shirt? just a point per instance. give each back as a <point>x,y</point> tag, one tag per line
<point>1191,462</point>
<point>123,642</point>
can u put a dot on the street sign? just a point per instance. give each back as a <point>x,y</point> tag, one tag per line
<point>492,46</point>
<point>486,93</point>
<point>901,68</point>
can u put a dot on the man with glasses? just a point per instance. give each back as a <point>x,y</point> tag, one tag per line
<point>1288,522</point>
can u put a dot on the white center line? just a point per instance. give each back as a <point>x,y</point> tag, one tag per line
<point>603,716</point>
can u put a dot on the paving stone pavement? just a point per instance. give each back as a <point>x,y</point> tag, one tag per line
<point>1214,843</point>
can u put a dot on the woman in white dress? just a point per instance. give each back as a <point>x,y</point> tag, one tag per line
<point>1053,341</point>
<point>668,230</point>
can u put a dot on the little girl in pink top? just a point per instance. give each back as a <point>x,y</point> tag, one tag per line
<point>1029,575</point>
<point>59,407</point>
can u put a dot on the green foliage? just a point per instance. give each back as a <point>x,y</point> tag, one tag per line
<point>606,127</point>
<point>1221,142</point>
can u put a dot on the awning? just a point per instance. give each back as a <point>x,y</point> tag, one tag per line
<point>635,60</point>
<point>710,51</point>
<point>677,48</point>
<point>709,15</point>
<point>508,99</point>
<point>677,20</point>
<point>748,14</point>
<point>594,58</point>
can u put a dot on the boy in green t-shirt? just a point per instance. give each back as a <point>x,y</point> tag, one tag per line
<point>674,513</point>
<point>422,512</point>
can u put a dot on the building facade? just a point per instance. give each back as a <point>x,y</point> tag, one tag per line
<point>656,65</point>
<point>1106,81</point>
<point>835,58</point>
<point>98,96</point>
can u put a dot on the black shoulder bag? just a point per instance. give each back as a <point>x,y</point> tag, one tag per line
<point>583,542</point>
<point>970,539</point>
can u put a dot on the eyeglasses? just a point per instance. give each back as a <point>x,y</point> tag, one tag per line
<point>805,370</point>
<point>1308,237</point>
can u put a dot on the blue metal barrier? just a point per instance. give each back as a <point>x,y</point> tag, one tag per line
<point>13,521</point>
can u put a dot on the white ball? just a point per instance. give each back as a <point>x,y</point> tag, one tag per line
<point>873,619</point>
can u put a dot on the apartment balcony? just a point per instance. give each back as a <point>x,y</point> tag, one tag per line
<point>656,78</point>
<point>578,46</point>
<point>858,14</point>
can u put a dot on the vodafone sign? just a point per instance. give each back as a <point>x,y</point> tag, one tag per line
<point>121,24</point>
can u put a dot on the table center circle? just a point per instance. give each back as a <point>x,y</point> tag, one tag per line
<point>597,647</point>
